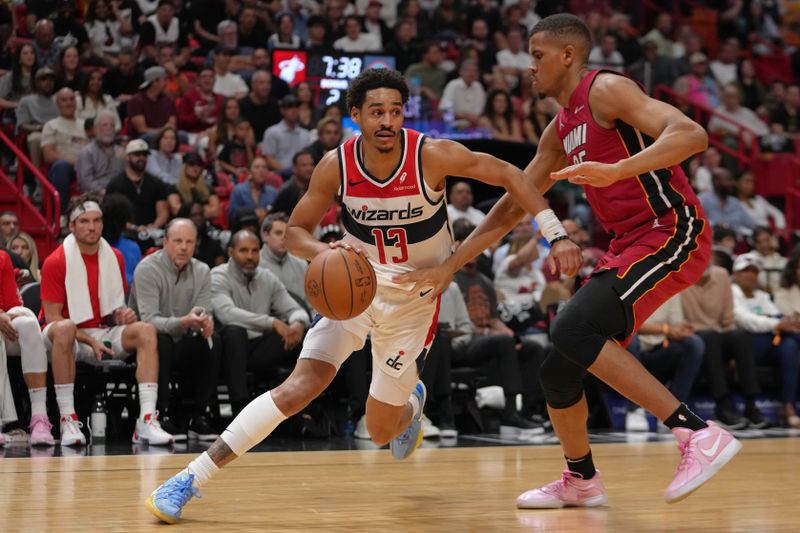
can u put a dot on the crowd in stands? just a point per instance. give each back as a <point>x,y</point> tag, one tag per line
<point>167,117</point>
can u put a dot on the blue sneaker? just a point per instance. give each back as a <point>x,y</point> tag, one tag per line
<point>168,500</point>
<point>409,440</point>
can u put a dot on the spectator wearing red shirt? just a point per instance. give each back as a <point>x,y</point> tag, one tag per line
<point>19,330</point>
<point>90,325</point>
<point>199,108</point>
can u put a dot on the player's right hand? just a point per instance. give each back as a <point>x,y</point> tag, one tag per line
<point>99,349</point>
<point>428,282</point>
<point>7,328</point>
<point>568,255</point>
<point>349,246</point>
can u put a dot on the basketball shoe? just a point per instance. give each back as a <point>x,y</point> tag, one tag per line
<point>703,453</point>
<point>148,430</point>
<point>40,431</point>
<point>569,491</point>
<point>167,501</point>
<point>409,440</point>
<point>71,434</point>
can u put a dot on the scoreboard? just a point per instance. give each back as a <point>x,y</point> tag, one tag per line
<point>328,74</point>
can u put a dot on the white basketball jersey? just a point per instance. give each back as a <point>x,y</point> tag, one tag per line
<point>400,221</point>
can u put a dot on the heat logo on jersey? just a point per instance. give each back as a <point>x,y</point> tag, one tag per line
<point>574,140</point>
<point>367,214</point>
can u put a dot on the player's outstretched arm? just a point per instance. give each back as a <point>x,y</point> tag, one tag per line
<point>505,214</point>
<point>449,158</point>
<point>313,205</point>
<point>615,98</point>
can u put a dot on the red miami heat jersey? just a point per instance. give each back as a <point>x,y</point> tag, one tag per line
<point>628,203</point>
<point>400,221</point>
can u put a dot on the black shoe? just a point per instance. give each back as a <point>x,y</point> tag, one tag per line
<point>173,426</point>
<point>447,421</point>
<point>201,429</point>
<point>518,426</point>
<point>756,418</point>
<point>730,419</point>
<point>447,428</point>
<point>542,421</point>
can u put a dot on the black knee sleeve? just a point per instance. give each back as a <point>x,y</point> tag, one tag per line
<point>562,381</point>
<point>594,315</point>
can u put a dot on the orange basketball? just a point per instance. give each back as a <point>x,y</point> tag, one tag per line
<point>340,283</point>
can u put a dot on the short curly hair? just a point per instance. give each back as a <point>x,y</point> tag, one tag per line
<point>567,28</point>
<point>375,78</point>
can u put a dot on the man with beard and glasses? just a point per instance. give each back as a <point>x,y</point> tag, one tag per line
<point>89,325</point>
<point>147,193</point>
<point>721,205</point>
<point>392,184</point>
<point>262,325</point>
<point>101,159</point>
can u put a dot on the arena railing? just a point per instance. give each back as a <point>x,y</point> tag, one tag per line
<point>46,217</point>
<point>776,174</point>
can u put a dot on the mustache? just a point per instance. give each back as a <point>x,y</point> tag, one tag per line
<point>388,130</point>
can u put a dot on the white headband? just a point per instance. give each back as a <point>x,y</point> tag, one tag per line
<point>85,207</point>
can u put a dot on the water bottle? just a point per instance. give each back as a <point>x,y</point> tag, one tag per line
<point>107,344</point>
<point>98,419</point>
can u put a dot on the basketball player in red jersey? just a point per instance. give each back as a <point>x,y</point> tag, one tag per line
<point>624,149</point>
<point>391,182</point>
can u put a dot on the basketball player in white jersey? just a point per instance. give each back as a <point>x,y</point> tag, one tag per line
<point>391,182</point>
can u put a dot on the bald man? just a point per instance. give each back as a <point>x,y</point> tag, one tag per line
<point>172,291</point>
<point>62,140</point>
<point>262,324</point>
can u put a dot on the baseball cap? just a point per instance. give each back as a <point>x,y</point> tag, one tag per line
<point>698,57</point>
<point>137,146</point>
<point>151,74</point>
<point>192,158</point>
<point>44,71</point>
<point>224,50</point>
<point>289,100</point>
<point>745,261</point>
<point>316,20</point>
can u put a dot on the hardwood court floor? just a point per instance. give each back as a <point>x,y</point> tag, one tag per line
<point>439,490</point>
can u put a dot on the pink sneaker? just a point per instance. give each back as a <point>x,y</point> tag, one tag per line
<point>703,453</point>
<point>569,491</point>
<point>40,431</point>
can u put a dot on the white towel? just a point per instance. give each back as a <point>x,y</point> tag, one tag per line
<point>110,289</point>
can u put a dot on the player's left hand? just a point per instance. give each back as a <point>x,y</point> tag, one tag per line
<point>428,282</point>
<point>294,335</point>
<point>568,255</point>
<point>124,316</point>
<point>589,173</point>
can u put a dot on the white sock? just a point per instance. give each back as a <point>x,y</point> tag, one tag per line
<point>38,401</point>
<point>414,401</point>
<point>253,424</point>
<point>65,399</point>
<point>148,394</point>
<point>203,469</point>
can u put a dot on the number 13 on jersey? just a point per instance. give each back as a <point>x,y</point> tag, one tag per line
<point>396,238</point>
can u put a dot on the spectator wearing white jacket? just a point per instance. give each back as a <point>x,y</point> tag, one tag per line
<point>775,338</point>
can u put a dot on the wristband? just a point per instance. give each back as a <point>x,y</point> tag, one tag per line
<point>550,226</point>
